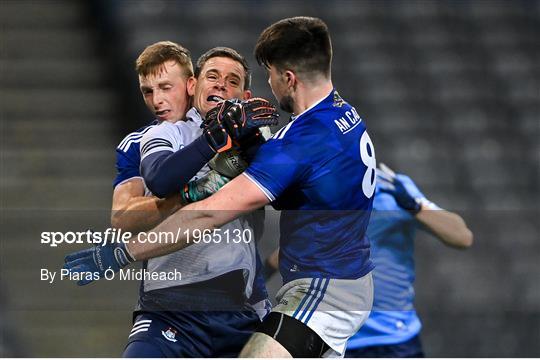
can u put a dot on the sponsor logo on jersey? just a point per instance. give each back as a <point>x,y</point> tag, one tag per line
<point>338,100</point>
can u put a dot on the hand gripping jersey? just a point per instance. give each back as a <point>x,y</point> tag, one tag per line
<point>391,231</point>
<point>320,170</point>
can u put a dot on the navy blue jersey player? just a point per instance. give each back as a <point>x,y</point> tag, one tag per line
<point>312,183</point>
<point>399,210</point>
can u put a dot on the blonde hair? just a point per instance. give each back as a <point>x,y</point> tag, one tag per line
<point>154,56</point>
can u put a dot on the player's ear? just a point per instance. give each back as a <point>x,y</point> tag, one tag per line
<point>191,83</point>
<point>290,78</point>
<point>247,95</point>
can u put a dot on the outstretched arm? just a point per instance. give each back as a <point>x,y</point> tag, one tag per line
<point>239,196</point>
<point>447,226</point>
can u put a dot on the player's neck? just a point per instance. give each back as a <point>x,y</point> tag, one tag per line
<point>309,94</point>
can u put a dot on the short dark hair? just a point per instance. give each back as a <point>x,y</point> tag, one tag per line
<point>222,51</point>
<point>155,55</point>
<point>301,44</point>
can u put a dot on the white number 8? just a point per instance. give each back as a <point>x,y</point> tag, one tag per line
<point>367,153</point>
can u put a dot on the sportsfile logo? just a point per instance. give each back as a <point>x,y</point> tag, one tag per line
<point>109,236</point>
<point>118,236</point>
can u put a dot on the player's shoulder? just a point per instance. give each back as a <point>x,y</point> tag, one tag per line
<point>329,108</point>
<point>341,118</point>
<point>332,112</point>
<point>164,128</point>
<point>134,138</point>
<point>162,137</point>
<point>171,131</point>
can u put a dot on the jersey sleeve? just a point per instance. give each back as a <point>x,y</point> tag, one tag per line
<point>278,164</point>
<point>160,138</point>
<point>127,160</point>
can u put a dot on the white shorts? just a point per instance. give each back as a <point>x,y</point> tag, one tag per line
<point>333,308</point>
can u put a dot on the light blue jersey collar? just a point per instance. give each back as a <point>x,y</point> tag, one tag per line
<point>194,115</point>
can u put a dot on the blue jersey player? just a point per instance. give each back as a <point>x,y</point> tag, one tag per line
<point>399,209</point>
<point>320,170</point>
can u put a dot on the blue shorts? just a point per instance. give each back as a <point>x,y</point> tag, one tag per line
<point>205,319</point>
<point>411,348</point>
<point>190,333</point>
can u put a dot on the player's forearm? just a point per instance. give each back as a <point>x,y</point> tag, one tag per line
<point>238,197</point>
<point>165,173</point>
<point>449,227</point>
<point>180,227</point>
<point>143,213</point>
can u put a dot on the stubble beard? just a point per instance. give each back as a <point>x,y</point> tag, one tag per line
<point>287,104</point>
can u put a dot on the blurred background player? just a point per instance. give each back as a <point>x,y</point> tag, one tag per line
<point>399,209</point>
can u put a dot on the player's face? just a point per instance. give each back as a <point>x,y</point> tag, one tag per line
<point>278,82</point>
<point>222,77</point>
<point>165,92</point>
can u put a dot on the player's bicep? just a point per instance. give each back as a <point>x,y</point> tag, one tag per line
<point>277,165</point>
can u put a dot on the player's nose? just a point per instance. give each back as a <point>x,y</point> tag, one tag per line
<point>157,99</point>
<point>220,84</point>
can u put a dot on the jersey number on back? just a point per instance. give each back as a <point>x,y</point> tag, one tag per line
<point>367,153</point>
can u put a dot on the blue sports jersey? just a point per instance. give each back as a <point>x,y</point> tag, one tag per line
<point>319,169</point>
<point>391,231</point>
<point>128,155</point>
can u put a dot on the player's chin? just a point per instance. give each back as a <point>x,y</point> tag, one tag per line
<point>172,117</point>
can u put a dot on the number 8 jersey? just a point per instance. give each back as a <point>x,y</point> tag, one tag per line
<point>320,171</point>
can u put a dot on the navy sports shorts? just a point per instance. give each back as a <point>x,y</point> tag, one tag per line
<point>190,334</point>
<point>205,319</point>
<point>411,348</point>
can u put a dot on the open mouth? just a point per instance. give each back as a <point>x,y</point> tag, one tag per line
<point>215,98</point>
<point>162,113</point>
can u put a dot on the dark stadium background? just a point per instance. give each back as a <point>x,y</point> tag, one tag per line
<point>450,92</point>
